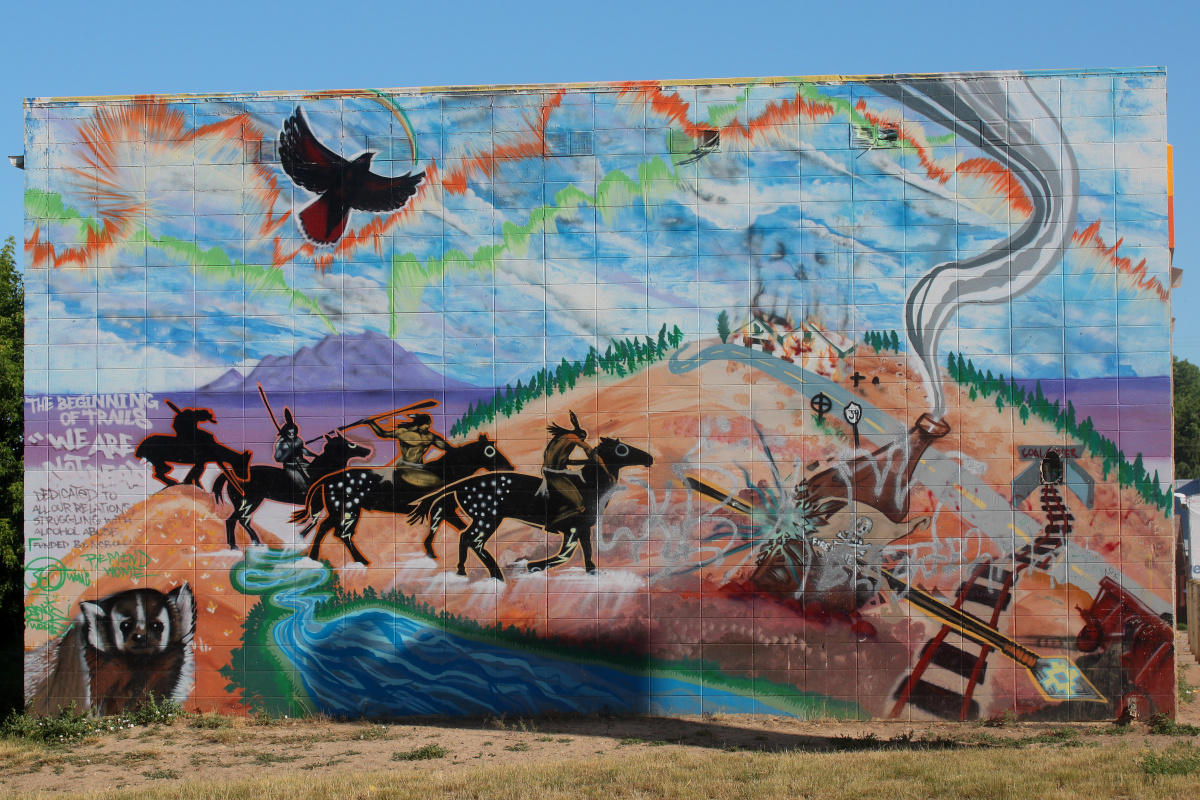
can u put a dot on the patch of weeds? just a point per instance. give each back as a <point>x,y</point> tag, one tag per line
<point>519,747</point>
<point>373,733</point>
<point>262,718</point>
<point>1162,725</point>
<point>65,728</point>
<point>564,740</point>
<point>868,741</point>
<point>330,762</point>
<point>525,726</point>
<point>545,739</point>
<point>135,757</point>
<point>733,748</point>
<point>1002,720</point>
<point>631,740</point>
<point>210,720</point>
<point>267,759</point>
<point>427,752</point>
<point>760,738</point>
<point>488,744</point>
<point>1181,759</point>
<point>162,774</point>
<point>153,711</point>
<point>1187,692</point>
<point>59,769</point>
<point>703,732</point>
<point>937,741</point>
<point>219,736</point>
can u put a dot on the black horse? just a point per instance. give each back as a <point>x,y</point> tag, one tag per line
<point>273,483</point>
<point>488,500</point>
<point>190,444</point>
<point>344,495</point>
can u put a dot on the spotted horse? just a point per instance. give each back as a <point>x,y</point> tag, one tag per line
<point>343,496</point>
<point>490,499</point>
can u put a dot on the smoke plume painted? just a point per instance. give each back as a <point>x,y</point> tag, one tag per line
<point>998,116</point>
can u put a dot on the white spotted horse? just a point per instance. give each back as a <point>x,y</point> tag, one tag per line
<point>273,483</point>
<point>490,499</point>
<point>344,495</point>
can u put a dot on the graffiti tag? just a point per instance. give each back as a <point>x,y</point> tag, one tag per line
<point>50,574</point>
<point>121,565</point>
<point>45,616</point>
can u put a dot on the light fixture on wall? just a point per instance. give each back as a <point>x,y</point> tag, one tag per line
<point>17,161</point>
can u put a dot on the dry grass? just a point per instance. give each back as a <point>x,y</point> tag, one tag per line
<point>1104,771</point>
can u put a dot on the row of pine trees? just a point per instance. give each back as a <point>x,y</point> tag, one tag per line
<point>623,357</point>
<point>1008,392</point>
<point>882,340</point>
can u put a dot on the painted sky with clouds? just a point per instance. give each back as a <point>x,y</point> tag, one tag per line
<point>821,227</point>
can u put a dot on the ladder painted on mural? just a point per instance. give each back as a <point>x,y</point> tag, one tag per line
<point>947,673</point>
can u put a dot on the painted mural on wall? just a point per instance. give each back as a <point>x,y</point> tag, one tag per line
<point>816,397</point>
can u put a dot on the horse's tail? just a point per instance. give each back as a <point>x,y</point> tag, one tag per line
<point>314,502</point>
<point>424,508</point>
<point>218,486</point>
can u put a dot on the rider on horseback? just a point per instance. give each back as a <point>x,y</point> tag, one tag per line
<point>186,425</point>
<point>290,452</point>
<point>556,476</point>
<point>414,439</point>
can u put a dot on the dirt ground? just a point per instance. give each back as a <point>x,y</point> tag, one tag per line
<point>235,748</point>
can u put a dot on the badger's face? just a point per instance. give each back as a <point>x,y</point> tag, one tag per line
<point>141,624</point>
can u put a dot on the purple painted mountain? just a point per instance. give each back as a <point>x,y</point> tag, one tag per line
<point>340,362</point>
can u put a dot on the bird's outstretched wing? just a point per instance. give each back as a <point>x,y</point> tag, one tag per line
<point>309,163</point>
<point>379,194</point>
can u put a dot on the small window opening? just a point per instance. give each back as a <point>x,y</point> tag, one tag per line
<point>708,140</point>
<point>581,143</point>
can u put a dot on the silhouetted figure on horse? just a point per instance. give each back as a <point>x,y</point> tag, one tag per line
<point>190,444</point>
<point>280,483</point>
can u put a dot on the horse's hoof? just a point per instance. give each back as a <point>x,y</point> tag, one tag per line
<point>461,572</point>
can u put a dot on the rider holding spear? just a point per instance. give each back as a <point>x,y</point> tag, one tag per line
<point>414,438</point>
<point>290,451</point>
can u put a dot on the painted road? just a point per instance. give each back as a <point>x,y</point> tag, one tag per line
<point>978,504</point>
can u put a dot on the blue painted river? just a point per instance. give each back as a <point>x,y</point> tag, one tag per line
<point>375,661</point>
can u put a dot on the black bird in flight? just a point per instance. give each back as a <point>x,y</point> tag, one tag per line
<point>342,185</point>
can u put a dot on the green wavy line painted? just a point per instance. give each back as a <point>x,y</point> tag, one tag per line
<point>213,264</point>
<point>410,276</point>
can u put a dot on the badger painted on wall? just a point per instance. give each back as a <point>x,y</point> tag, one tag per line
<point>119,652</point>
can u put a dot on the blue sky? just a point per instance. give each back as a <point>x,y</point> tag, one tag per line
<point>154,48</point>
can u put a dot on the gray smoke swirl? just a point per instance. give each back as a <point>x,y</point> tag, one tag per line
<point>987,113</point>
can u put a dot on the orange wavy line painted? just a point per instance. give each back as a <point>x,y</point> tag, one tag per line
<point>1001,180</point>
<point>1090,237</point>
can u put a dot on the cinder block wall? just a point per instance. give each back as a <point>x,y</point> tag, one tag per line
<point>829,397</point>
